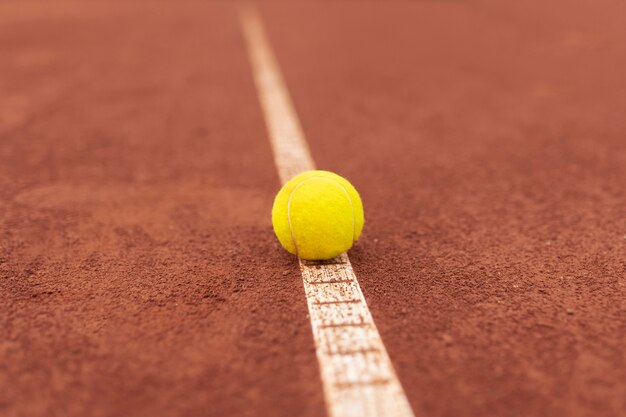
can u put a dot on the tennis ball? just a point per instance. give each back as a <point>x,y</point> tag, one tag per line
<point>317,215</point>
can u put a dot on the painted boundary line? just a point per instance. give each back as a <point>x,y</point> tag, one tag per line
<point>357,374</point>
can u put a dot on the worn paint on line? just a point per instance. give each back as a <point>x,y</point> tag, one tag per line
<point>357,374</point>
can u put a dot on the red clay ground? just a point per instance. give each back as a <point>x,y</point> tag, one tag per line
<point>138,271</point>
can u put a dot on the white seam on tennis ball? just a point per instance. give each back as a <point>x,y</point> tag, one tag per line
<point>293,237</point>
<point>351,207</point>
<point>353,214</point>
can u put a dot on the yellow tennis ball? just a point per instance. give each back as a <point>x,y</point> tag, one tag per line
<point>317,215</point>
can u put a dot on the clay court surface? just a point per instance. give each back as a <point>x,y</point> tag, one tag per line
<point>139,273</point>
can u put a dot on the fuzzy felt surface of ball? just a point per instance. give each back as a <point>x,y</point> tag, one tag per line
<point>317,215</point>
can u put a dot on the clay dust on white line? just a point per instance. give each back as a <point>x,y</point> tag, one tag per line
<point>357,374</point>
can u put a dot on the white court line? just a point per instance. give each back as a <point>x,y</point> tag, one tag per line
<point>357,374</point>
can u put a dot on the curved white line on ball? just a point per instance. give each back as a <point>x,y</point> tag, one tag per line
<point>293,236</point>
